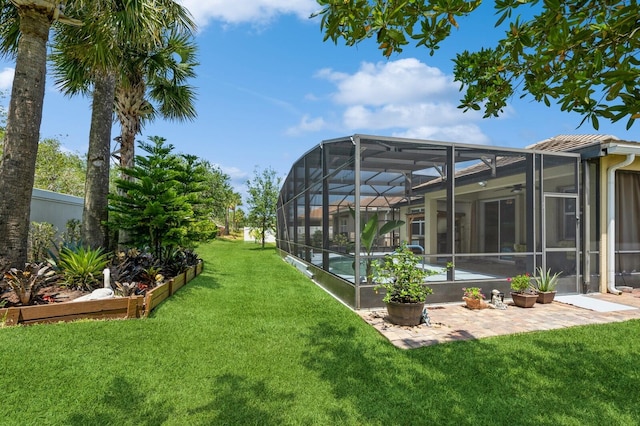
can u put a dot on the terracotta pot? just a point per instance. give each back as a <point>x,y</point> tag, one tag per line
<point>546,296</point>
<point>474,303</point>
<point>405,313</point>
<point>524,300</point>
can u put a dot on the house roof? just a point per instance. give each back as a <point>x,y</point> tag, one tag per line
<point>560,143</point>
<point>566,143</point>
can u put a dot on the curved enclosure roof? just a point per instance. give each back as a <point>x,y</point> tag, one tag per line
<point>446,195</point>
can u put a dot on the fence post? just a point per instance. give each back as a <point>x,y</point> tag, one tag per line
<point>132,307</point>
<point>14,315</point>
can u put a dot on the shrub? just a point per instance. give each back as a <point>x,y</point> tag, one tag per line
<point>177,261</point>
<point>40,240</point>
<point>131,265</point>
<point>82,268</point>
<point>71,237</point>
<point>402,278</point>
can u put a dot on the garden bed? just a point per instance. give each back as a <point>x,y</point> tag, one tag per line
<point>116,308</point>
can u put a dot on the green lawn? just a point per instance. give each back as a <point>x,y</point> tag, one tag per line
<point>253,342</point>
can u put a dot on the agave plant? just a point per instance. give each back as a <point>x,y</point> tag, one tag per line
<point>545,281</point>
<point>26,283</point>
<point>82,268</point>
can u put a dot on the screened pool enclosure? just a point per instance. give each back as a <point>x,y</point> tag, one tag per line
<point>491,212</point>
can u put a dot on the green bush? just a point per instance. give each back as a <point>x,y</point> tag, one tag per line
<point>72,236</point>
<point>40,241</point>
<point>82,268</point>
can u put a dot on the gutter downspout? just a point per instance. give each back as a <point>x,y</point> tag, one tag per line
<point>611,222</point>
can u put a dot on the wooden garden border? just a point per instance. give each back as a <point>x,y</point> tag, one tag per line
<point>119,307</point>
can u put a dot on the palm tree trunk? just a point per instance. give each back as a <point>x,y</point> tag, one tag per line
<point>95,213</point>
<point>129,101</point>
<point>18,164</point>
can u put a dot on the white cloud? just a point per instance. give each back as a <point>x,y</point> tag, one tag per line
<point>404,80</point>
<point>465,133</point>
<point>6,78</point>
<point>247,11</point>
<point>307,124</point>
<point>234,173</point>
<point>405,97</point>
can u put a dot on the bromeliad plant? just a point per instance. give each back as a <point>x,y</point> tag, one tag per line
<point>26,283</point>
<point>402,277</point>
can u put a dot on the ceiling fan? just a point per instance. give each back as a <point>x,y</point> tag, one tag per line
<point>517,188</point>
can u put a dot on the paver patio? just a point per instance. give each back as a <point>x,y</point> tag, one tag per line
<point>453,322</point>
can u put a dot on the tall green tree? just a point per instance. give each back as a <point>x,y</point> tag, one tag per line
<point>218,191</point>
<point>263,199</point>
<point>59,171</point>
<point>583,55</point>
<point>235,200</point>
<point>151,204</point>
<point>193,179</point>
<point>89,60</point>
<point>24,31</point>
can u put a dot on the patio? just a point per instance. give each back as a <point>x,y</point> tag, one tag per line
<point>454,322</point>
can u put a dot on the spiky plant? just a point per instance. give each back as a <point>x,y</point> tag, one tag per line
<point>26,283</point>
<point>82,268</point>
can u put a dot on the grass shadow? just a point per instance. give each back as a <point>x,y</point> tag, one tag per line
<point>550,378</point>
<point>122,403</point>
<point>239,400</point>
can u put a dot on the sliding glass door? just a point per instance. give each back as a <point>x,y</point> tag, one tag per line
<point>499,220</point>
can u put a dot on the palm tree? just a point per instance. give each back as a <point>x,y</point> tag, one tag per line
<point>24,27</point>
<point>89,60</point>
<point>234,201</point>
<point>152,84</point>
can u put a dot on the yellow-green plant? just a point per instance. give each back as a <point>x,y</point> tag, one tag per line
<point>82,268</point>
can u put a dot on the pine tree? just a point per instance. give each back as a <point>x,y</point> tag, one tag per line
<point>151,204</point>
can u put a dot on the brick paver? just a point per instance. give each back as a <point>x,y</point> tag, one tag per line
<point>453,322</point>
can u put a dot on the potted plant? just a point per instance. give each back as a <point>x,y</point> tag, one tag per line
<point>545,285</point>
<point>474,298</point>
<point>402,277</point>
<point>522,294</point>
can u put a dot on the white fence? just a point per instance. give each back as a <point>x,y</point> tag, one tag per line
<point>270,237</point>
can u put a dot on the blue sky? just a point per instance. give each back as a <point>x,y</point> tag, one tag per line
<point>269,89</point>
